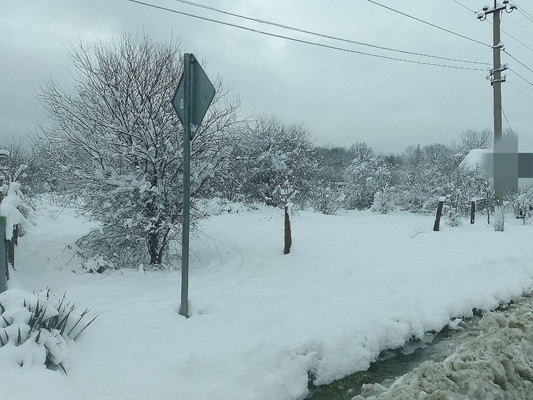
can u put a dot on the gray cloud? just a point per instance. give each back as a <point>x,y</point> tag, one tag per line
<point>342,98</point>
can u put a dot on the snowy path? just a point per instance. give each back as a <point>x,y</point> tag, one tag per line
<point>352,286</point>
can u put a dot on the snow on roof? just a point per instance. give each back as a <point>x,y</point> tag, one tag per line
<point>475,158</point>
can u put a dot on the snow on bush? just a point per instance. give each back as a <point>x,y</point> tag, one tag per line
<point>383,201</point>
<point>453,217</point>
<point>11,207</point>
<point>327,199</point>
<point>38,328</point>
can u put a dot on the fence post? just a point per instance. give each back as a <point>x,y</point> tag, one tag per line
<point>472,211</point>
<point>288,237</point>
<point>439,214</point>
<point>3,255</point>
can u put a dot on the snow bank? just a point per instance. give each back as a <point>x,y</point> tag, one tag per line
<point>495,365</point>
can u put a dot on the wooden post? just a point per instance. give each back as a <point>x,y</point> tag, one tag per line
<point>439,214</point>
<point>288,238</point>
<point>472,211</point>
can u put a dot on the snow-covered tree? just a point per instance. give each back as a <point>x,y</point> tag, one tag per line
<point>277,163</point>
<point>368,174</point>
<point>118,142</point>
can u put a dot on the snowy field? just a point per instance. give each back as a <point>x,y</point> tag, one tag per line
<point>353,285</point>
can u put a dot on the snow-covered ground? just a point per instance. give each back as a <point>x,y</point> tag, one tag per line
<point>353,285</point>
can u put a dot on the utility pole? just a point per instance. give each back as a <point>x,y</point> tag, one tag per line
<point>496,80</point>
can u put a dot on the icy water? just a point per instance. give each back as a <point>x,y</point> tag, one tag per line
<point>394,363</point>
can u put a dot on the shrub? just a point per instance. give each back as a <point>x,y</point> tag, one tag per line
<point>453,218</point>
<point>38,328</point>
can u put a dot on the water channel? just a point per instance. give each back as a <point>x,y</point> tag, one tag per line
<point>392,364</point>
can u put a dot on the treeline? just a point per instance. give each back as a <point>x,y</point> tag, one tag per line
<point>275,164</point>
<point>269,162</point>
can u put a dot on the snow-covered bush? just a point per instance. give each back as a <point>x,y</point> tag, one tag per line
<point>327,199</point>
<point>37,328</point>
<point>521,201</point>
<point>117,141</point>
<point>277,163</point>
<point>383,201</point>
<point>14,209</point>
<point>102,252</point>
<point>453,217</point>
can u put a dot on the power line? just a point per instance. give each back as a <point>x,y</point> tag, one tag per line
<point>301,40</point>
<point>522,8</point>
<point>517,60</point>
<point>429,23</point>
<point>520,90</point>
<point>506,120</point>
<point>526,16</point>
<point>523,12</point>
<point>507,33</point>
<point>292,28</point>
<point>520,76</point>
<point>462,5</point>
<point>512,37</point>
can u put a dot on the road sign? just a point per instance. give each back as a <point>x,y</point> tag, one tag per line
<point>191,101</point>
<point>202,92</point>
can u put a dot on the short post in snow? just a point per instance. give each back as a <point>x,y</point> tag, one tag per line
<point>472,211</point>
<point>3,256</point>
<point>439,215</point>
<point>288,237</point>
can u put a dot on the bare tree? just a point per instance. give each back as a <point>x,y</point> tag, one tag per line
<point>119,141</point>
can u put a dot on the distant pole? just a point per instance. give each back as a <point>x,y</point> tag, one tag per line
<point>496,82</point>
<point>472,211</point>
<point>184,305</point>
<point>3,255</point>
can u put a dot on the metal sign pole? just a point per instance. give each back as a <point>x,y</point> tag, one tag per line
<point>184,306</point>
<point>191,101</point>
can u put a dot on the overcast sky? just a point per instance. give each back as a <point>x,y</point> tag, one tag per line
<point>341,97</point>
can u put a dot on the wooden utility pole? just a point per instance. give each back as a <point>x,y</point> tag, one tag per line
<point>496,82</point>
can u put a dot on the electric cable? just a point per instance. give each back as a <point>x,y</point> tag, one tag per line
<point>303,41</point>
<point>520,76</point>
<point>520,90</point>
<point>526,16</point>
<point>506,120</point>
<point>322,35</point>
<point>490,22</point>
<point>429,23</point>
<point>521,10</point>
<point>462,5</point>
<point>512,37</point>
<point>517,60</point>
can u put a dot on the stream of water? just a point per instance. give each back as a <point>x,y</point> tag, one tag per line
<point>394,363</point>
